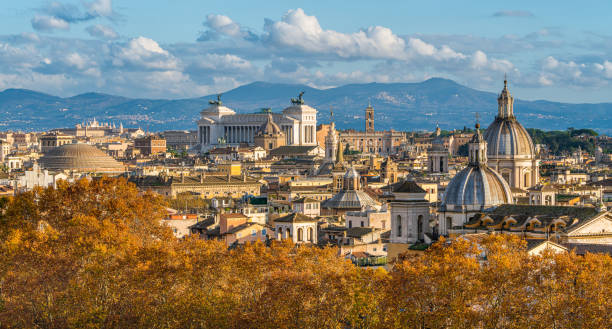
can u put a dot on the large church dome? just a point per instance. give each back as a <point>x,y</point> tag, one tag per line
<point>477,187</point>
<point>80,157</point>
<point>506,137</point>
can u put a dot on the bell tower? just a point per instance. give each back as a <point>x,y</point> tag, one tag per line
<point>369,118</point>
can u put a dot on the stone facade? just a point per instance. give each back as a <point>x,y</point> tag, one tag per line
<point>221,125</point>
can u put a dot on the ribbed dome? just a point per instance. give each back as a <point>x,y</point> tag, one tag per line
<point>349,199</point>
<point>477,186</point>
<point>507,137</point>
<point>80,157</point>
<point>270,128</point>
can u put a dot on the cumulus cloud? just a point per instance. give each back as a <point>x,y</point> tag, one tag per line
<point>481,61</point>
<point>294,49</point>
<point>59,16</point>
<point>49,23</point>
<point>146,53</point>
<point>513,13</point>
<point>303,32</point>
<point>605,68</point>
<point>221,25</point>
<point>99,8</point>
<point>557,72</point>
<point>102,31</point>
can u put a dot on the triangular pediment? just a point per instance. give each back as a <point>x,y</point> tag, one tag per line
<point>600,224</point>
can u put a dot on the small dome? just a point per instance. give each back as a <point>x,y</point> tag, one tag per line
<point>478,187</point>
<point>349,199</point>
<point>270,128</point>
<point>80,157</point>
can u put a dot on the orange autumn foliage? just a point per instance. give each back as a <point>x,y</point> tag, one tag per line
<point>93,254</point>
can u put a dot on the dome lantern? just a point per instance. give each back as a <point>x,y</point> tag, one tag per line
<point>505,103</point>
<point>477,149</point>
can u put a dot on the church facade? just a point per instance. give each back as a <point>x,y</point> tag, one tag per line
<point>222,126</point>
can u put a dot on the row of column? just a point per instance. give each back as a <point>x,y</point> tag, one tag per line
<point>245,134</point>
<point>204,135</point>
<point>240,134</point>
<point>288,130</point>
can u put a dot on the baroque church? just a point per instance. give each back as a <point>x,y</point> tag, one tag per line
<point>510,150</point>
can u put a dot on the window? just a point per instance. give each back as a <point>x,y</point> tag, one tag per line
<point>399,225</point>
<point>350,223</point>
<point>300,234</point>
<point>420,224</point>
<point>384,224</point>
<point>264,232</point>
<point>361,223</point>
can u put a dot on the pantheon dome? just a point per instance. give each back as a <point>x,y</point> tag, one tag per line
<point>81,158</point>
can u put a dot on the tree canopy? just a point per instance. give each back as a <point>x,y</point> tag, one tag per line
<point>92,254</point>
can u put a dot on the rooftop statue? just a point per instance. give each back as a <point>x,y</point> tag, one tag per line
<point>299,100</point>
<point>217,102</point>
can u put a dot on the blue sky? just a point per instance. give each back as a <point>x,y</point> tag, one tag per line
<point>555,50</point>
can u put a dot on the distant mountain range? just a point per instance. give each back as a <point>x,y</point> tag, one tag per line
<point>399,106</point>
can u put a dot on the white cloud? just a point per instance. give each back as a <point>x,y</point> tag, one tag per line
<point>300,31</point>
<point>49,23</point>
<point>221,25</point>
<point>481,61</point>
<point>100,8</point>
<point>102,32</point>
<point>224,62</point>
<point>605,68</point>
<point>146,53</point>
<point>58,16</point>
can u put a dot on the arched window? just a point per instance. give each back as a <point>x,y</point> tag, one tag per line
<point>288,232</point>
<point>300,234</point>
<point>399,225</point>
<point>449,223</point>
<point>310,234</point>
<point>527,180</point>
<point>420,225</point>
<point>280,233</point>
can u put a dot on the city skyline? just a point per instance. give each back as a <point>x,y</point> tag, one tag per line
<point>139,49</point>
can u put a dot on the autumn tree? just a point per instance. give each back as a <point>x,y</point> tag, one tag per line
<point>93,254</point>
